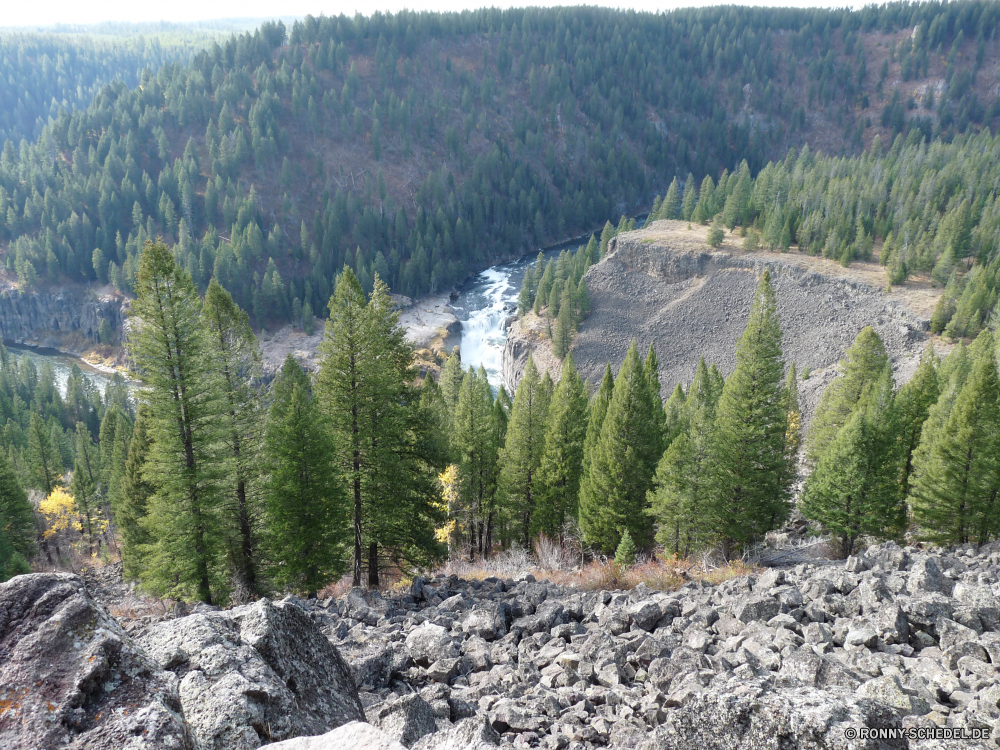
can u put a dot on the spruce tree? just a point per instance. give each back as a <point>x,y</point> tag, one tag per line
<point>678,499</point>
<point>852,492</point>
<point>562,459</point>
<point>861,367</point>
<point>474,440</point>
<point>133,502</point>
<point>606,234</point>
<point>749,482</point>
<point>237,358</point>
<point>626,552</point>
<point>451,380</point>
<point>307,520</point>
<point>651,371</point>
<point>44,459</point>
<point>913,404</point>
<point>690,198</point>
<point>17,524</point>
<point>670,208</point>
<point>957,480</point>
<point>521,454</point>
<point>172,354</point>
<point>623,461</point>
<point>562,338</point>
<point>793,431</point>
<point>380,435</point>
<point>598,410</point>
<point>83,486</point>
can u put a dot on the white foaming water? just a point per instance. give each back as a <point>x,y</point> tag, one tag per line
<point>486,305</point>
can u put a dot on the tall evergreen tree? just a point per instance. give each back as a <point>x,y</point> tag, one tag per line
<point>365,388</point>
<point>852,491</point>
<point>861,366</point>
<point>451,380</point>
<point>613,494</point>
<point>562,458</point>
<point>17,524</point>
<point>651,371</point>
<point>474,439</point>
<point>521,455</point>
<point>678,499</point>
<point>83,486</point>
<point>45,460</point>
<point>598,410</point>
<point>133,502</point>
<point>671,206</point>
<point>562,337</point>
<point>793,430</point>
<point>173,356</point>
<point>307,515</point>
<point>913,404</point>
<point>690,198</point>
<point>749,482</point>
<point>957,479</point>
<point>237,358</point>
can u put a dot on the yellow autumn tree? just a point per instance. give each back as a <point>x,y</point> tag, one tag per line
<point>448,479</point>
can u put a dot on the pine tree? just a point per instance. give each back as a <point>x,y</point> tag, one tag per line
<point>651,371</point>
<point>861,367</point>
<point>678,499</point>
<point>690,198</point>
<point>957,480</point>
<point>598,410</point>
<point>562,459</point>
<point>521,455</point>
<point>17,524</point>
<point>670,208</point>
<point>237,357</point>
<point>606,234</point>
<point>544,287</point>
<point>133,503</point>
<point>172,354</point>
<point>913,404</point>
<point>307,521</point>
<point>613,494</point>
<point>747,455</point>
<point>44,458</point>
<point>704,210</point>
<point>365,388</point>
<point>83,486</point>
<point>626,552</point>
<point>452,376</point>
<point>793,431</point>
<point>474,440</point>
<point>673,413</point>
<point>562,338</point>
<point>852,491</point>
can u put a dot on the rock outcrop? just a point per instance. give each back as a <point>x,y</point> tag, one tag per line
<point>66,319</point>
<point>71,678</point>
<point>526,337</point>
<point>664,286</point>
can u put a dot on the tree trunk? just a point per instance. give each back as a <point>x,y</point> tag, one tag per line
<point>373,565</point>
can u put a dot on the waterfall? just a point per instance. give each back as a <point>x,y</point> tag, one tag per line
<point>486,304</point>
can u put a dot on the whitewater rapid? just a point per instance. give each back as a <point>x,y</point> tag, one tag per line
<point>483,306</point>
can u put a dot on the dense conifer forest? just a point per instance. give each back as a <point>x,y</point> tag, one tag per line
<point>421,147</point>
<point>320,167</point>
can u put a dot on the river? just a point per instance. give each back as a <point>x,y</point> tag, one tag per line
<point>61,364</point>
<point>486,301</point>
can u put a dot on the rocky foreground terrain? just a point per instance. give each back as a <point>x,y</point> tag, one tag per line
<point>896,640</point>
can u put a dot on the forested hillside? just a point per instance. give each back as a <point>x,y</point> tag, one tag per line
<point>420,147</point>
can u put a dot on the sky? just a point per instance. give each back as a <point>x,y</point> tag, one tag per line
<point>48,12</point>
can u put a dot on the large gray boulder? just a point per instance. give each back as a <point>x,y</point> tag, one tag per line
<point>70,677</point>
<point>474,733</point>
<point>405,719</point>
<point>758,715</point>
<point>255,674</point>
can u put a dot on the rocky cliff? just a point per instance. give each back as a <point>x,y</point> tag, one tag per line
<point>66,319</point>
<point>664,285</point>
<point>527,336</point>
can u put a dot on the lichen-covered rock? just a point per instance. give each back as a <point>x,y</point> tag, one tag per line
<point>405,719</point>
<point>255,674</point>
<point>70,677</point>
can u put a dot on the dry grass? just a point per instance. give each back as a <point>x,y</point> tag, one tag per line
<point>561,565</point>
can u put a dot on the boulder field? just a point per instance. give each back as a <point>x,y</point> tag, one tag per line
<point>896,648</point>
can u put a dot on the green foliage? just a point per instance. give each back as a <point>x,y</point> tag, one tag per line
<point>622,462</point>
<point>860,368</point>
<point>716,234</point>
<point>626,552</point>
<point>521,456</point>
<point>306,503</point>
<point>173,355</point>
<point>17,525</point>
<point>562,458</point>
<point>957,468</point>
<point>383,451</point>
<point>747,462</point>
<point>45,459</point>
<point>132,499</point>
<point>853,490</point>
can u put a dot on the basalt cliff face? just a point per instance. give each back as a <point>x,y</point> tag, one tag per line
<point>67,319</point>
<point>665,286</point>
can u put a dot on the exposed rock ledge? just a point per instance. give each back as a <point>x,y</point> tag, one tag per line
<point>528,335</point>
<point>60,318</point>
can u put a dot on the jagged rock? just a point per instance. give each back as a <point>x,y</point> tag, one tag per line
<point>355,735</point>
<point>405,719</point>
<point>70,677</point>
<point>468,734</point>
<point>255,673</point>
<point>757,715</point>
<point>429,643</point>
